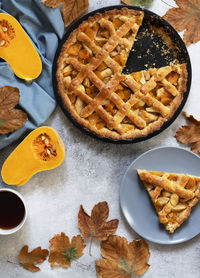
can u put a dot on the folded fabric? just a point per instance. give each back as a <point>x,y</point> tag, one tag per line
<point>45,28</point>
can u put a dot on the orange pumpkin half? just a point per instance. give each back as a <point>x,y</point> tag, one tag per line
<point>17,49</point>
<point>41,150</point>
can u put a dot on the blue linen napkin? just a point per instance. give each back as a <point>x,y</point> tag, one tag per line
<point>45,28</point>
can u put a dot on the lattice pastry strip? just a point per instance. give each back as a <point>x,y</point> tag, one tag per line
<point>91,46</point>
<point>173,195</point>
<point>119,25</point>
<point>148,99</point>
<point>152,106</point>
<point>104,52</point>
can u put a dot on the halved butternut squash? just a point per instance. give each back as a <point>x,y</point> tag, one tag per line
<point>17,49</point>
<point>41,150</point>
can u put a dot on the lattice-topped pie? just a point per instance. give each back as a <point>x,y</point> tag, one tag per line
<point>97,94</point>
<point>173,195</point>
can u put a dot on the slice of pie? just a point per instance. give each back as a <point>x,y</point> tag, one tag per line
<point>96,93</point>
<point>173,195</point>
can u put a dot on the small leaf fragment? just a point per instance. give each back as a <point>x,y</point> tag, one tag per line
<point>52,3</point>
<point>122,259</point>
<point>190,134</point>
<point>7,33</point>
<point>186,17</point>
<point>62,251</point>
<point>70,9</point>
<point>96,225</point>
<point>137,2</point>
<point>29,259</point>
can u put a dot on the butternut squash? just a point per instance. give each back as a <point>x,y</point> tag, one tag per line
<point>41,150</point>
<point>17,49</point>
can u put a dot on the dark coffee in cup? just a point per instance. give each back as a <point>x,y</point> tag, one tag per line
<point>12,210</point>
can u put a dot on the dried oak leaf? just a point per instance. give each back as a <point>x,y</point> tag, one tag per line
<point>137,2</point>
<point>36,256</point>
<point>186,17</point>
<point>190,134</point>
<point>10,119</point>
<point>122,259</point>
<point>62,251</point>
<point>70,9</point>
<point>96,225</point>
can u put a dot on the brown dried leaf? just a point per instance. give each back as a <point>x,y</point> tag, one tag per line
<point>10,119</point>
<point>36,256</point>
<point>190,134</point>
<point>186,17</point>
<point>62,251</point>
<point>9,97</point>
<point>70,9</point>
<point>122,259</point>
<point>96,225</point>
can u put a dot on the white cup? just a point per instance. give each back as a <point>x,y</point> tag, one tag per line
<point>19,226</point>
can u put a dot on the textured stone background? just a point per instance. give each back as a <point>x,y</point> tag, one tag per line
<point>92,172</point>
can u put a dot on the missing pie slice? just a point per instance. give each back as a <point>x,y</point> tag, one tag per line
<point>173,195</point>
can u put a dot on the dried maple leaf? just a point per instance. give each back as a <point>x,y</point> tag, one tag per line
<point>36,256</point>
<point>137,2</point>
<point>10,119</point>
<point>190,134</point>
<point>96,225</point>
<point>122,259</point>
<point>186,17</point>
<point>62,251</point>
<point>70,9</point>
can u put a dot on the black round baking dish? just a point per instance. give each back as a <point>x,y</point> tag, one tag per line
<point>153,52</point>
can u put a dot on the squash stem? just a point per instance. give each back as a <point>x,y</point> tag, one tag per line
<point>11,262</point>
<point>85,265</point>
<point>91,239</point>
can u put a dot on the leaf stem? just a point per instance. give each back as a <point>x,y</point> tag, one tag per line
<point>11,262</point>
<point>87,266</point>
<point>91,239</point>
<point>167,4</point>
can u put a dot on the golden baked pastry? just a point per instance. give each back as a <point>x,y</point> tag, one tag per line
<point>173,195</point>
<point>97,94</point>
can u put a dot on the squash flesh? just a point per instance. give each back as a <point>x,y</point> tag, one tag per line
<point>25,161</point>
<point>20,53</point>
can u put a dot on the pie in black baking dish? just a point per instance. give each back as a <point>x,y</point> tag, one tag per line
<point>96,93</point>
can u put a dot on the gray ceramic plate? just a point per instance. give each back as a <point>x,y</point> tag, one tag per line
<point>137,206</point>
